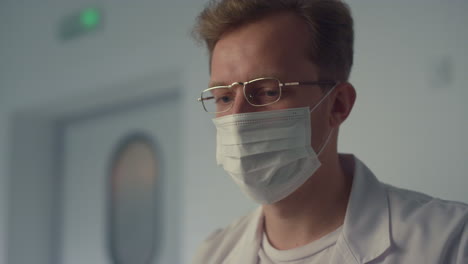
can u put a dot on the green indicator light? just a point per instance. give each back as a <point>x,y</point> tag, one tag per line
<point>90,18</point>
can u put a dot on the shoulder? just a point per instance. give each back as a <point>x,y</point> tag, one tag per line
<point>425,220</point>
<point>219,244</point>
<point>409,205</point>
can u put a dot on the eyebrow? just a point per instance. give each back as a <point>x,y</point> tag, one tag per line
<point>273,74</point>
<point>217,83</point>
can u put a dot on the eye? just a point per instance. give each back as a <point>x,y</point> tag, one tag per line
<point>222,96</point>
<point>272,93</point>
<point>223,99</point>
<point>267,92</point>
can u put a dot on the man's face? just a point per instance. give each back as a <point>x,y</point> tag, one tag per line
<point>275,46</point>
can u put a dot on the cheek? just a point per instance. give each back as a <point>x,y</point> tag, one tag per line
<point>291,99</point>
<point>318,122</point>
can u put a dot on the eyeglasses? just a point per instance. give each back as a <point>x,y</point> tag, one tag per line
<point>258,92</point>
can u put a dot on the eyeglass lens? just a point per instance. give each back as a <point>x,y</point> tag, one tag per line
<point>258,93</point>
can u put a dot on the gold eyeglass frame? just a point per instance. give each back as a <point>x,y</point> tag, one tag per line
<point>259,79</point>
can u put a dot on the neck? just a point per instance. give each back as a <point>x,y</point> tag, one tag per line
<point>315,209</point>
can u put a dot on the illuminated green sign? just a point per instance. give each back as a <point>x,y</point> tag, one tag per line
<point>90,18</point>
<point>80,23</point>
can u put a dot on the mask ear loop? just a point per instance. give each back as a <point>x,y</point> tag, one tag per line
<point>326,142</point>
<point>331,132</point>
<point>324,97</point>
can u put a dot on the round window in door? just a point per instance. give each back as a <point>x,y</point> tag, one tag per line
<point>133,201</point>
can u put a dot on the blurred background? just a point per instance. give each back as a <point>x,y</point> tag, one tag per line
<point>107,157</point>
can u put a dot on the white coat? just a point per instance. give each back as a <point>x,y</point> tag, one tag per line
<point>383,224</point>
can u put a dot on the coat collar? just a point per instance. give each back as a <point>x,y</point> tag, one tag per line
<point>366,230</point>
<point>249,244</point>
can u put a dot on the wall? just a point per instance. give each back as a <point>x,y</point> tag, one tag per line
<point>410,120</point>
<point>38,71</point>
<point>31,216</point>
<point>408,125</point>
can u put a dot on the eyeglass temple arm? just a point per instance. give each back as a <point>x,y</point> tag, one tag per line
<point>203,99</point>
<point>310,83</point>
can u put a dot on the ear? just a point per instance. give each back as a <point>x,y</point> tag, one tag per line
<point>345,96</point>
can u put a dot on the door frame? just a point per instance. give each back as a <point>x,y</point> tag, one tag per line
<point>36,163</point>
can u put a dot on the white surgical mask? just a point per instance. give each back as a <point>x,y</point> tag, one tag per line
<point>268,154</point>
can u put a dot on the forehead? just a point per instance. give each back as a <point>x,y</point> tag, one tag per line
<point>274,46</point>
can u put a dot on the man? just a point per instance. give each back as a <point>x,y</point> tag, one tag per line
<point>279,89</point>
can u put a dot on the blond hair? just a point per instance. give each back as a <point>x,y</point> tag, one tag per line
<point>329,22</point>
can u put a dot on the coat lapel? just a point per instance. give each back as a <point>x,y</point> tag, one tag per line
<point>366,231</point>
<point>246,250</point>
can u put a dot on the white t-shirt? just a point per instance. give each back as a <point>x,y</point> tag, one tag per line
<point>319,251</point>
